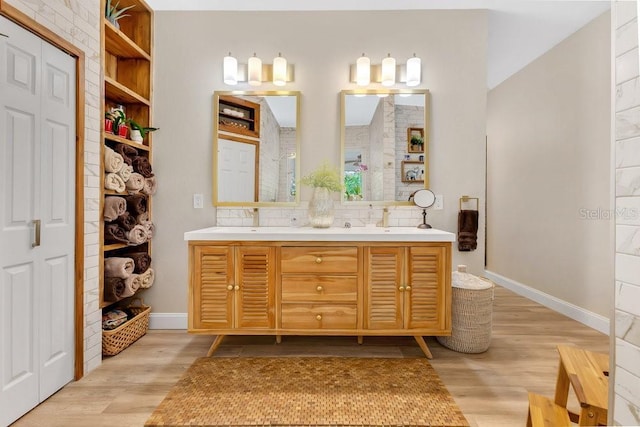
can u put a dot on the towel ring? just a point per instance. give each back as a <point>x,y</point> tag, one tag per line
<point>465,199</point>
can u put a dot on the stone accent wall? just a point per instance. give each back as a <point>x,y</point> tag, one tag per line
<point>78,22</point>
<point>626,403</point>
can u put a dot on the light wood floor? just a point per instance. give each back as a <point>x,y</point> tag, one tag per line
<point>490,388</point>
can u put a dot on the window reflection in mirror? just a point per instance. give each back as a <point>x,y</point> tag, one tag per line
<point>256,148</point>
<point>384,145</point>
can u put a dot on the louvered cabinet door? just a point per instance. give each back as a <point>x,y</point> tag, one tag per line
<point>256,276</point>
<point>383,279</point>
<point>212,288</point>
<point>426,300</point>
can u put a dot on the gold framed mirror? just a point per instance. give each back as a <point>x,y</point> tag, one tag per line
<point>256,148</point>
<point>384,145</point>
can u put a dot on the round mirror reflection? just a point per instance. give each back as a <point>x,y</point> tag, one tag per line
<point>424,198</point>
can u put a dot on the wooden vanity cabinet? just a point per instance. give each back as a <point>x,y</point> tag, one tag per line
<point>406,289</point>
<point>232,287</point>
<point>334,288</point>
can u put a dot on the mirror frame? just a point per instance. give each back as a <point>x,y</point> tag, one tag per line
<point>427,133</point>
<point>216,108</point>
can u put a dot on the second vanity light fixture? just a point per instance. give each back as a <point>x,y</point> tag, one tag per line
<point>255,71</point>
<point>387,73</point>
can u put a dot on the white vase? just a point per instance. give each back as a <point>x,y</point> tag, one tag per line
<point>135,135</point>
<point>321,208</point>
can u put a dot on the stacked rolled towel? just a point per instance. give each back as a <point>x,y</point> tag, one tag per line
<point>137,235</point>
<point>113,181</point>
<point>136,204</point>
<point>126,221</point>
<point>142,166</point>
<point>114,288</point>
<point>135,183</point>
<point>147,278</point>
<point>127,152</point>
<point>112,161</point>
<point>120,267</point>
<point>131,285</point>
<point>125,172</point>
<point>141,260</point>
<point>113,233</point>
<point>149,228</point>
<point>114,207</point>
<point>150,186</point>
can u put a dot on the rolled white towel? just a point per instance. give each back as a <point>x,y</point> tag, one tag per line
<point>135,183</point>
<point>112,161</point>
<point>137,235</point>
<point>112,181</point>
<point>125,172</point>
<point>131,285</point>
<point>118,267</point>
<point>147,278</point>
<point>150,186</point>
<point>148,227</point>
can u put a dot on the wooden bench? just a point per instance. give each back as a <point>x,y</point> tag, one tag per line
<point>544,412</point>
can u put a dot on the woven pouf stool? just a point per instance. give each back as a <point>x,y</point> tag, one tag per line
<point>471,311</point>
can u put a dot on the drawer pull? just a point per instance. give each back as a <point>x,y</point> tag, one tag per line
<point>230,287</point>
<point>408,287</point>
<point>319,289</point>
<point>237,288</point>
<point>401,288</point>
<point>319,317</point>
<point>318,260</point>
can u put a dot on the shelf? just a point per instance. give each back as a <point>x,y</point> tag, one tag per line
<point>118,44</point>
<point>115,138</point>
<point>114,246</point>
<point>244,119</point>
<point>118,92</point>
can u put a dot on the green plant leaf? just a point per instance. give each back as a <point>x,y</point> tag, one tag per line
<point>325,176</point>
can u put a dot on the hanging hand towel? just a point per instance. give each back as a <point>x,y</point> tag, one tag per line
<point>467,230</point>
<point>114,207</point>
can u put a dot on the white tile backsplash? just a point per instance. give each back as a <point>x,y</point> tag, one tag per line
<point>628,94</point>
<point>627,268</point>
<point>628,355</point>
<point>627,66</point>
<point>627,37</point>
<point>625,12</point>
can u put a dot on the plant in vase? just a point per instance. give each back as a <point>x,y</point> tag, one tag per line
<point>113,14</point>
<point>108,122</point>
<point>120,127</point>
<point>138,132</point>
<point>324,180</point>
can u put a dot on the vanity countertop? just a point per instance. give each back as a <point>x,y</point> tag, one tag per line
<point>369,234</point>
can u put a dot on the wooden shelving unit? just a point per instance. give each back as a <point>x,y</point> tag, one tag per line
<point>239,116</point>
<point>127,65</point>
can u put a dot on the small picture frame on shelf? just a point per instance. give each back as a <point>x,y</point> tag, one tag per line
<point>412,171</point>
<point>415,140</point>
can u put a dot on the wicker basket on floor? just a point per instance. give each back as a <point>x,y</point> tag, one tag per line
<point>471,313</point>
<point>116,340</point>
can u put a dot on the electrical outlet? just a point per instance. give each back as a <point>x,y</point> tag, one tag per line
<point>197,201</point>
<point>439,204</point>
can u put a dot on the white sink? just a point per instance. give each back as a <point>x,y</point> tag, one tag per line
<point>371,234</point>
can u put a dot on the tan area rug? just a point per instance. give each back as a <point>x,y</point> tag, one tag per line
<point>304,391</point>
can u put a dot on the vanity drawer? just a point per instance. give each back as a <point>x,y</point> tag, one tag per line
<point>319,316</point>
<point>318,259</point>
<point>312,288</point>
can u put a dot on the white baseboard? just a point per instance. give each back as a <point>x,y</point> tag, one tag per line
<point>586,317</point>
<point>168,321</point>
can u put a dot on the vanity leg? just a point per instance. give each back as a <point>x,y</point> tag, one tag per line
<point>278,339</point>
<point>423,346</point>
<point>215,345</point>
<point>360,339</point>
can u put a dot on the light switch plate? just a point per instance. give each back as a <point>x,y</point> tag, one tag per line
<point>439,203</point>
<point>197,201</point>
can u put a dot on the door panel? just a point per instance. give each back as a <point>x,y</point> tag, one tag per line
<point>211,299</point>
<point>383,275</point>
<point>426,299</point>
<point>255,271</point>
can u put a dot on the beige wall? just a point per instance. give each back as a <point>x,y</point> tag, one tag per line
<point>189,47</point>
<point>548,173</point>
<point>78,23</point>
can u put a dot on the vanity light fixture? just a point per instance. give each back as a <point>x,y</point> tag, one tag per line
<point>414,70</point>
<point>254,68</point>
<point>363,71</point>
<point>388,73</point>
<point>255,71</point>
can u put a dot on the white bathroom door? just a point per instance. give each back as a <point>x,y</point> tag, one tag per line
<point>236,171</point>
<point>37,180</point>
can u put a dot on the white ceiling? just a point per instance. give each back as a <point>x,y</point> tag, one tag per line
<point>519,31</point>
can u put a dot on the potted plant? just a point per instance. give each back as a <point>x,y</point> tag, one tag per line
<point>113,14</point>
<point>119,122</point>
<point>324,181</point>
<point>417,142</point>
<point>138,132</point>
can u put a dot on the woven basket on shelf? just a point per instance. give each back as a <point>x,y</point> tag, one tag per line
<point>116,340</point>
